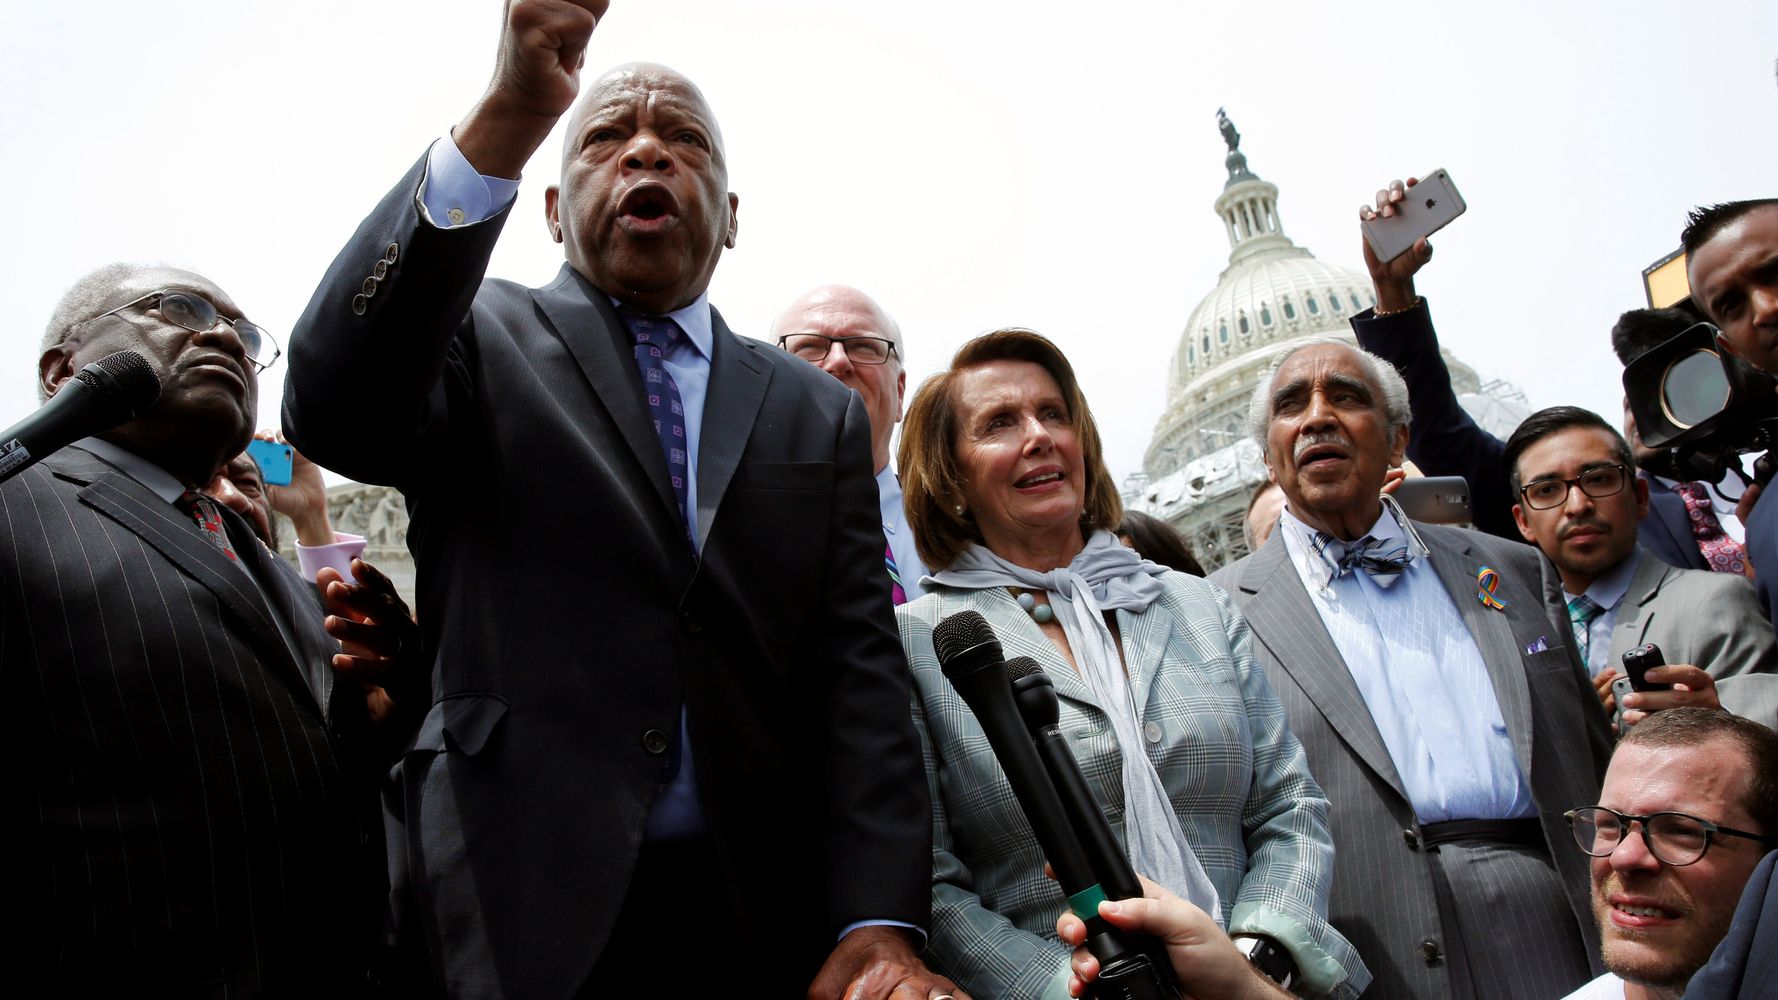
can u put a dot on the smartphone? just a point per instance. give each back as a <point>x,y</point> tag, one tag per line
<point>1637,663</point>
<point>274,460</point>
<point>1429,207</point>
<point>1620,687</point>
<point>1435,499</point>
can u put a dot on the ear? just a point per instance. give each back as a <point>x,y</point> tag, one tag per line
<point>901,391</point>
<point>734,204</point>
<point>551,196</point>
<point>1398,451</point>
<point>55,367</point>
<point>1723,345</point>
<point>1525,525</point>
<point>1641,485</point>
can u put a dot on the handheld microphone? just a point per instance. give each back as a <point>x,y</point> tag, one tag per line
<point>1035,696</point>
<point>974,663</point>
<point>100,396</point>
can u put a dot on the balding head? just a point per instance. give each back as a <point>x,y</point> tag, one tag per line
<point>838,313</point>
<point>643,207</point>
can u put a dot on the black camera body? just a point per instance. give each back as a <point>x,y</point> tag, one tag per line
<point>1707,406</point>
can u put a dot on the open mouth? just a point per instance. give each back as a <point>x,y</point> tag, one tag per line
<point>1627,914</point>
<point>1319,453</point>
<point>1037,479</point>
<point>647,208</point>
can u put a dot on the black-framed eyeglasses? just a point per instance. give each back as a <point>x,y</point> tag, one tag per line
<point>1601,481</point>
<point>1675,838</point>
<point>193,312</point>
<point>860,350</point>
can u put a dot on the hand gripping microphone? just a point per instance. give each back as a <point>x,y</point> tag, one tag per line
<point>1035,696</point>
<point>100,396</point>
<point>972,660</point>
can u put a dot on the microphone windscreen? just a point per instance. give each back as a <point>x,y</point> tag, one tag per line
<point>962,631</point>
<point>1020,667</point>
<point>126,376</point>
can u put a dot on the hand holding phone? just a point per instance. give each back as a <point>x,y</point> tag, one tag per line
<point>1637,664</point>
<point>1428,206</point>
<point>274,458</point>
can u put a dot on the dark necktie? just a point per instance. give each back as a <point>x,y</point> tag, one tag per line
<point>203,510</point>
<point>1724,554</point>
<point>655,336</point>
<point>1384,562</point>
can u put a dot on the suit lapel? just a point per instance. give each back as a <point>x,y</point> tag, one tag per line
<point>1492,631</point>
<point>589,327</point>
<point>1636,612</point>
<point>738,381</point>
<point>166,530</point>
<point>297,602</point>
<point>1286,621</point>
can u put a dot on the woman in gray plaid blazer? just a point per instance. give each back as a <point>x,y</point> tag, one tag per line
<point>1175,727</point>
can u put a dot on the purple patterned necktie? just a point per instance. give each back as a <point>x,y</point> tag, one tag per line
<point>897,592</point>
<point>1724,554</point>
<point>655,336</point>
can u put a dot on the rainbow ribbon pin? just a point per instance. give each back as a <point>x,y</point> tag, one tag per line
<point>1487,582</point>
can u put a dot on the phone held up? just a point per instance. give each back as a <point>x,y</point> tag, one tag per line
<point>274,458</point>
<point>1430,206</point>
<point>1637,664</point>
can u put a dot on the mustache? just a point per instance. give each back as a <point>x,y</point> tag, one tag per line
<point>1319,438</point>
<point>1586,522</point>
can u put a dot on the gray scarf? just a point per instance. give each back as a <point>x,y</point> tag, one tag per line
<point>1106,576</point>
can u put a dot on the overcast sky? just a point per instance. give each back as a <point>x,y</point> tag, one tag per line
<point>972,164</point>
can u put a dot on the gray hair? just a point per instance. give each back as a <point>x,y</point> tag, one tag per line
<point>1381,374</point>
<point>82,301</point>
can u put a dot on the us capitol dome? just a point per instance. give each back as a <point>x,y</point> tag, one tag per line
<point>1201,466</point>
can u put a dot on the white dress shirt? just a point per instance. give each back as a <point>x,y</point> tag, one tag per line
<point>1423,679</point>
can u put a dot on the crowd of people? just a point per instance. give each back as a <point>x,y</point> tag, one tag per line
<point>702,742</point>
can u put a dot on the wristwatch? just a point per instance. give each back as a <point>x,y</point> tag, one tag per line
<point>1268,957</point>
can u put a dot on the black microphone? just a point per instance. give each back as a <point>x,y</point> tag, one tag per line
<point>1035,696</point>
<point>973,662</point>
<point>100,396</point>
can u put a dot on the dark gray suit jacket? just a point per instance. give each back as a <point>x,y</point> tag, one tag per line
<point>193,809</point>
<point>1383,896</point>
<point>569,621</point>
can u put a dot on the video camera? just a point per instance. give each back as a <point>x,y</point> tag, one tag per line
<point>1708,406</point>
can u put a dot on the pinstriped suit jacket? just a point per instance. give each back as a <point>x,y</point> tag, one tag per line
<point>191,821</point>
<point>1383,896</point>
<point>1237,779</point>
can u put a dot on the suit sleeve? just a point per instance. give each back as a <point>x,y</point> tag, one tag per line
<point>1442,440</point>
<point>376,358</point>
<point>1284,894</point>
<point>878,850</point>
<point>1736,640</point>
<point>971,943</point>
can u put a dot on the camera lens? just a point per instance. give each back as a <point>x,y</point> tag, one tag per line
<point>1694,388</point>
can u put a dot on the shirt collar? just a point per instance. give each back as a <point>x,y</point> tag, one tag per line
<point>889,493</point>
<point>1608,590</point>
<point>694,322</point>
<point>158,480</point>
<point>1311,567</point>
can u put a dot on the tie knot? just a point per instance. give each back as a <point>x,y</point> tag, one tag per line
<point>1583,609</point>
<point>658,332</point>
<point>1383,559</point>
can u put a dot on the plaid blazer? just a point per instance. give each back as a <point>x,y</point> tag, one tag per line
<point>1215,733</point>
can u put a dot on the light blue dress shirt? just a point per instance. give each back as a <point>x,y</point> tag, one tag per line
<point>1423,679</point>
<point>899,536</point>
<point>1608,592</point>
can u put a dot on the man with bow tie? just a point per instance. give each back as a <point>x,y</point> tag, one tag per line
<point>1443,714</point>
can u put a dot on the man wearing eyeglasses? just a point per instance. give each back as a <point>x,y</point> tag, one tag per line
<point>1688,808</point>
<point>1580,501</point>
<point>846,334</point>
<point>194,786</point>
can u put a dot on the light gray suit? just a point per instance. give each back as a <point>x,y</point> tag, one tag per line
<point>1712,620</point>
<point>1524,916</point>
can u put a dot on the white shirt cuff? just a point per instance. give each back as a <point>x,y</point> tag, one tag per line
<point>339,555</point>
<point>452,194</point>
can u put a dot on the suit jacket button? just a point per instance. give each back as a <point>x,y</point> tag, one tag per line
<point>1429,951</point>
<point>359,305</point>
<point>655,742</point>
<point>392,253</point>
<point>380,270</point>
<point>370,287</point>
<point>1412,838</point>
<point>1152,732</point>
<point>691,623</point>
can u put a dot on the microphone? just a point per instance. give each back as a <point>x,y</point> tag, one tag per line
<point>100,396</point>
<point>972,660</point>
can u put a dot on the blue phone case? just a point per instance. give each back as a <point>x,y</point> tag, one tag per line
<point>274,461</point>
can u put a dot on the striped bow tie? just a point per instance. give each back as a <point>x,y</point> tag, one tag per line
<point>1383,560</point>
